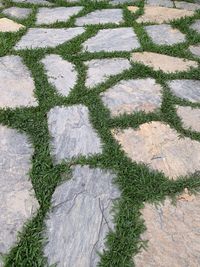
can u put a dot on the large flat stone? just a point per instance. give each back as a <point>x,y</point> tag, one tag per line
<point>187,6</point>
<point>47,15</point>
<point>110,40</point>
<point>16,83</point>
<point>80,218</point>
<point>163,3</point>
<point>72,133</point>
<point>160,148</point>
<point>17,201</point>
<point>35,2</point>
<point>196,26</point>
<point>129,96</point>
<point>7,25</point>
<point>164,63</point>
<point>99,70</point>
<point>60,73</point>
<point>190,117</point>
<point>43,37</point>
<point>195,50</point>
<point>17,12</point>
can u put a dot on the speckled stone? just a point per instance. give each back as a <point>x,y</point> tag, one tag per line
<point>7,25</point>
<point>17,12</point>
<point>196,26</point>
<point>72,133</point>
<point>195,50</point>
<point>163,3</point>
<point>36,2</point>
<point>190,117</point>
<point>81,218</point>
<point>187,6</point>
<point>129,96</point>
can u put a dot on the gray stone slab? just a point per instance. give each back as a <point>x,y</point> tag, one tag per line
<point>80,218</point>
<point>99,70</point>
<point>72,133</point>
<point>186,89</point>
<point>61,73</point>
<point>17,12</point>
<point>190,117</point>
<point>110,40</point>
<point>16,83</point>
<point>43,37</point>
<point>164,3</point>
<point>17,201</point>
<point>35,2</point>
<point>164,34</point>
<point>196,26</point>
<point>122,2</point>
<point>195,50</point>
<point>187,6</point>
<point>47,15</point>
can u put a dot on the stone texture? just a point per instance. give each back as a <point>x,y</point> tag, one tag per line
<point>109,40</point>
<point>156,14</point>
<point>187,6</point>
<point>47,15</point>
<point>121,2</point>
<point>36,2</point>
<point>60,73</point>
<point>99,70</point>
<point>165,35</point>
<point>133,9</point>
<point>195,50</point>
<point>44,37</point>
<point>164,63</point>
<point>80,218</point>
<point>190,117</point>
<point>161,148</point>
<point>173,234</point>
<point>7,25</point>
<point>16,83</point>
<point>133,95</point>
<point>196,26</point>
<point>102,16</point>
<point>163,3</point>
<point>72,133</point>
<point>17,201</point>
<point>17,12</point>
<point>186,89</point>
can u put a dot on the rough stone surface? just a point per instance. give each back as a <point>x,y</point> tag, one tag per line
<point>161,148</point>
<point>196,26</point>
<point>164,34</point>
<point>186,89</point>
<point>99,70</point>
<point>72,133</point>
<point>133,95</point>
<point>17,12</point>
<point>173,234</point>
<point>81,218</point>
<point>190,117</point>
<point>60,73</point>
<point>36,2</point>
<point>195,50</point>
<point>16,84</point>
<point>163,3</point>
<point>109,40</point>
<point>17,201</point>
<point>187,6</point>
<point>164,63</point>
<point>156,14</point>
<point>7,25</point>
<point>133,9</point>
<point>57,14</point>
<point>121,2</point>
<point>43,37</point>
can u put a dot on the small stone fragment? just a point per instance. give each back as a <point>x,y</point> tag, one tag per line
<point>163,3</point>
<point>7,25</point>
<point>187,6</point>
<point>17,12</point>
<point>190,117</point>
<point>36,2</point>
<point>133,9</point>
<point>195,50</point>
<point>196,26</point>
<point>121,2</point>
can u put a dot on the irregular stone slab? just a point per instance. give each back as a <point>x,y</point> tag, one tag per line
<point>163,3</point>
<point>16,83</point>
<point>110,40</point>
<point>172,232</point>
<point>17,201</point>
<point>47,15</point>
<point>186,89</point>
<point>101,17</point>
<point>133,9</point>
<point>161,148</point>
<point>195,50</point>
<point>99,70</point>
<point>36,2</point>
<point>164,63</point>
<point>156,14</point>
<point>165,35</point>
<point>7,25</point>
<point>190,117</point>
<point>187,6</point>
<point>80,218</point>
<point>72,133</point>
<point>196,26</point>
<point>17,12</point>
<point>133,95</point>
<point>44,37</point>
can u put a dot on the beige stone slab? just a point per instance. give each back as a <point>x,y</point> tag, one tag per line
<point>7,25</point>
<point>190,117</point>
<point>133,9</point>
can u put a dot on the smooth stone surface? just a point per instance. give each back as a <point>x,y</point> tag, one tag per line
<point>99,70</point>
<point>17,12</point>
<point>80,218</point>
<point>43,37</point>
<point>133,9</point>
<point>7,25</point>
<point>160,148</point>
<point>195,50</point>
<point>164,63</point>
<point>101,17</point>
<point>196,26</point>
<point>36,2</point>
<point>47,15</point>
<point>187,6</point>
<point>16,83</point>
<point>190,117</point>
<point>156,14</point>
<point>72,133</point>
<point>164,34</point>
<point>129,96</point>
<point>109,40</point>
<point>17,201</point>
<point>172,232</point>
<point>186,89</point>
<point>60,73</point>
<point>163,3</point>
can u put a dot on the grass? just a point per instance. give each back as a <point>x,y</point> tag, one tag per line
<point>137,183</point>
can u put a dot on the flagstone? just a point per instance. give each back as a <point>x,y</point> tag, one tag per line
<point>17,12</point>
<point>35,2</point>
<point>190,117</point>
<point>187,6</point>
<point>133,9</point>
<point>163,3</point>
<point>7,25</point>
<point>196,26</point>
<point>195,50</point>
